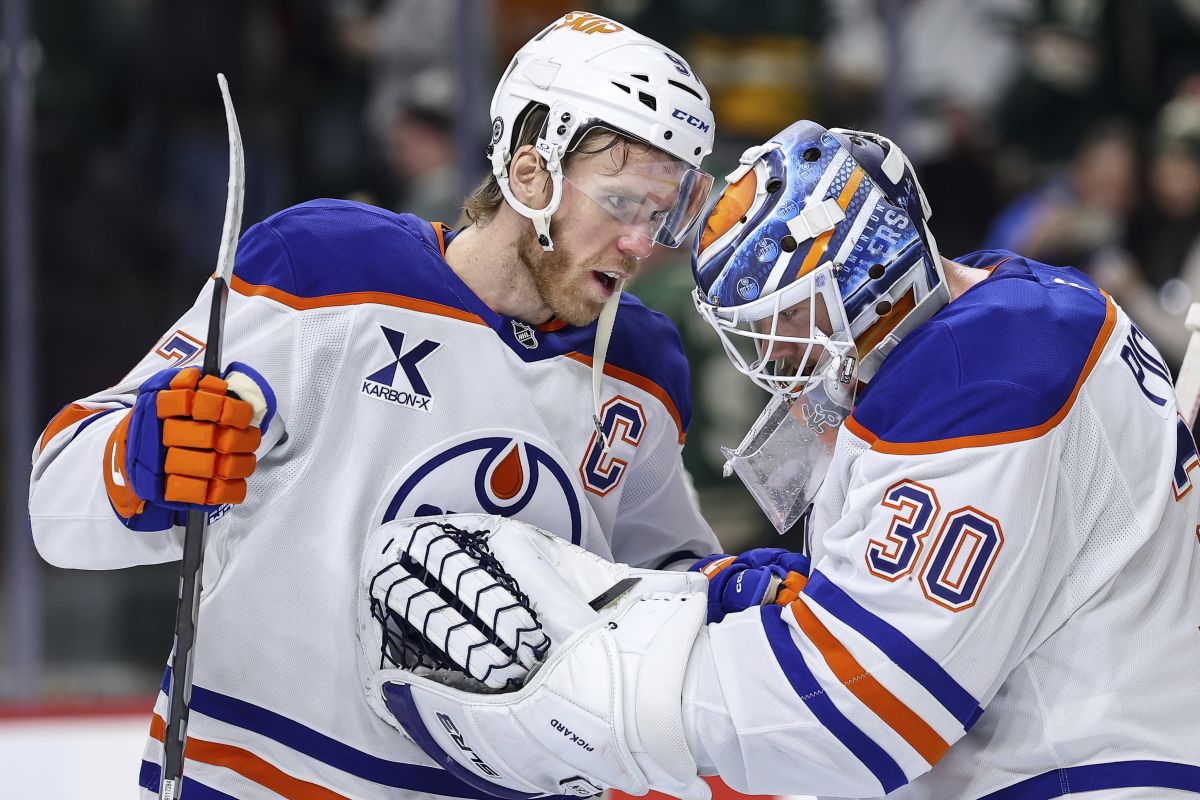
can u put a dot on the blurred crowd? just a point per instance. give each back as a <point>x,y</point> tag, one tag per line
<point>1068,130</point>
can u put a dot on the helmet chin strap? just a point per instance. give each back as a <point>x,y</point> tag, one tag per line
<point>552,157</point>
<point>604,327</point>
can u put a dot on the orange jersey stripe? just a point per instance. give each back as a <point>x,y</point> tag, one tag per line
<point>424,306</point>
<point>248,765</point>
<point>645,384</point>
<point>899,717</point>
<point>551,326</point>
<point>258,770</point>
<point>440,229</point>
<point>1006,437</point>
<point>63,420</point>
<point>352,298</point>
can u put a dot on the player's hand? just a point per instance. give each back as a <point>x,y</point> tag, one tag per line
<point>189,441</point>
<point>757,577</point>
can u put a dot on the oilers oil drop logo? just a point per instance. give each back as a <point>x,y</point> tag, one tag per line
<point>494,472</point>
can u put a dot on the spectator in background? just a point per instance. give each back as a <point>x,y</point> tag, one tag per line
<point>962,179</point>
<point>400,39</point>
<point>1067,80</point>
<point>948,59</point>
<point>1156,276</point>
<point>1085,61</point>
<point>420,150</point>
<point>1080,212</point>
<point>941,65</point>
<point>184,147</point>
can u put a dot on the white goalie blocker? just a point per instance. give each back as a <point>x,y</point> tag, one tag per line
<point>527,666</point>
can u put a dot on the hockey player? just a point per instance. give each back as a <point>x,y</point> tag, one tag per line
<point>1003,595</point>
<point>384,366</point>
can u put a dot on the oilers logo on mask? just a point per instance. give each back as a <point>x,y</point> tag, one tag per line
<point>747,288</point>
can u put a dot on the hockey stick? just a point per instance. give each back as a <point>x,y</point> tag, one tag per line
<point>1187,385</point>
<point>190,570</point>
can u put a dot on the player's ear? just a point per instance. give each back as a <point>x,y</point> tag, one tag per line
<point>528,178</point>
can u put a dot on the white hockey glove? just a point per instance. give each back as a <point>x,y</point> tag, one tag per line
<point>564,696</point>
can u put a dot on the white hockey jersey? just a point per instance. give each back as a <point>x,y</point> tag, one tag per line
<point>1005,595</point>
<point>400,394</point>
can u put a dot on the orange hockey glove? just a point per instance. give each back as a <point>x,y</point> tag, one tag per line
<point>189,441</point>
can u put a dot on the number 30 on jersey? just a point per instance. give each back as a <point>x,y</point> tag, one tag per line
<point>960,557</point>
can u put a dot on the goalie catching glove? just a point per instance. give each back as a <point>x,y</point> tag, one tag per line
<point>188,442</point>
<point>526,666</point>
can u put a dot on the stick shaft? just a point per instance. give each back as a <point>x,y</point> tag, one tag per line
<point>192,563</point>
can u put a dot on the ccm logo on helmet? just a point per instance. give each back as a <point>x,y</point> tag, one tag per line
<point>588,23</point>
<point>695,122</point>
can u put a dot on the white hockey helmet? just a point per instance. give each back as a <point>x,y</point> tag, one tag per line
<point>590,71</point>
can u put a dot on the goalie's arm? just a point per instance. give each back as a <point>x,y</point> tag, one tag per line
<point>852,690</point>
<point>862,684</point>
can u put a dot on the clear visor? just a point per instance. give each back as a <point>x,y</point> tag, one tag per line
<point>781,340</point>
<point>785,456</point>
<point>654,195</point>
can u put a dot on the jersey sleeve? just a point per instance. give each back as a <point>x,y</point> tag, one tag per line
<point>924,597</point>
<point>72,517</point>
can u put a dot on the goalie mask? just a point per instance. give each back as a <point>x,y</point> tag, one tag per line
<point>591,72</point>
<point>812,265</point>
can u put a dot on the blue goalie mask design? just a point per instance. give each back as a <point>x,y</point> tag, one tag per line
<point>816,259</point>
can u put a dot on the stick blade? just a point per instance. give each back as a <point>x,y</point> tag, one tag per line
<point>237,186</point>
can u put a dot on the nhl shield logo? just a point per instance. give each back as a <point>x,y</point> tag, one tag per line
<point>525,335</point>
